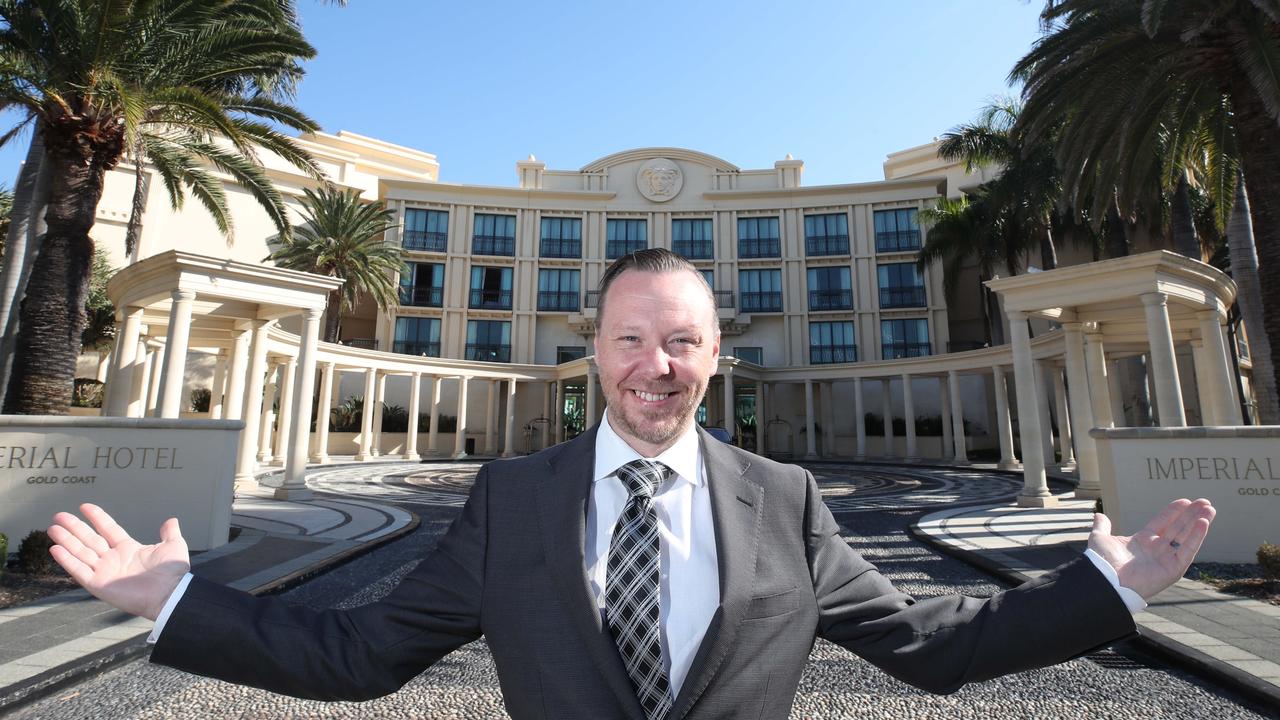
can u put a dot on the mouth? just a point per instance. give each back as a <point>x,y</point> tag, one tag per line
<point>650,397</point>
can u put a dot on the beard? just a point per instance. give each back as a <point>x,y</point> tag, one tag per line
<point>655,428</point>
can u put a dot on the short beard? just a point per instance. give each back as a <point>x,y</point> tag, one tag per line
<point>662,432</point>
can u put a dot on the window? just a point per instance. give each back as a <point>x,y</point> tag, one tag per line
<point>761,290</point>
<point>426,230</point>
<point>904,338</point>
<point>691,239</point>
<point>489,340</point>
<point>561,238</point>
<point>494,235</point>
<point>750,354</point>
<point>625,236</point>
<point>422,285</point>
<point>710,277</point>
<point>569,353</point>
<point>826,234</point>
<point>901,285</point>
<point>558,290</point>
<point>758,238</point>
<point>897,230</point>
<point>417,336</point>
<point>490,288</point>
<point>830,288</point>
<point>832,342</point>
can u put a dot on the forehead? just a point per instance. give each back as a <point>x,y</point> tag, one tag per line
<point>639,298</point>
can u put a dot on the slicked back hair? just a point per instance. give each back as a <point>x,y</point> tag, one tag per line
<point>651,260</point>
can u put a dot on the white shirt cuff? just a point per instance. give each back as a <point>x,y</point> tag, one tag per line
<point>1132,600</point>
<point>172,602</point>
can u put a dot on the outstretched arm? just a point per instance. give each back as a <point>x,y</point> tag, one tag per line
<point>117,569</point>
<point>1155,557</point>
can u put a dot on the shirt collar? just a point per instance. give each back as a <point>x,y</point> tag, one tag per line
<point>612,452</point>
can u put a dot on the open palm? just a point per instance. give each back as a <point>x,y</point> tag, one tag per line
<point>1155,557</point>
<point>117,569</point>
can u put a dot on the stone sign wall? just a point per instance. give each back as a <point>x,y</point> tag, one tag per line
<point>142,471</point>
<point>1237,468</point>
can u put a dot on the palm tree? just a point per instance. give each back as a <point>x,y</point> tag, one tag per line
<point>343,238</point>
<point>962,231</point>
<point>198,85</point>
<point>1114,81</point>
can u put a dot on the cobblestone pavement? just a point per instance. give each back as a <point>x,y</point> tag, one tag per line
<point>874,504</point>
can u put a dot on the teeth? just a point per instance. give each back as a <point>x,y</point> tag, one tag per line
<point>651,397</point>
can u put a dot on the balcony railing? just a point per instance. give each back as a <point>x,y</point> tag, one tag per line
<point>493,245</point>
<point>826,245</point>
<point>614,249</point>
<point>414,347</point>
<point>555,301</point>
<point>761,302</point>
<point>724,298</point>
<point>362,343</point>
<point>489,353</point>
<point>592,299</point>
<point>830,299</point>
<point>826,354</point>
<point>490,300</point>
<point>693,249</point>
<point>759,248</point>
<point>897,240</point>
<point>559,248</point>
<point>421,296</point>
<point>897,351</point>
<point>902,297</point>
<point>425,241</point>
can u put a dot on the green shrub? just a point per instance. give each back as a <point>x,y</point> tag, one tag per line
<point>33,553</point>
<point>1269,559</point>
<point>394,419</point>
<point>200,398</point>
<point>87,393</point>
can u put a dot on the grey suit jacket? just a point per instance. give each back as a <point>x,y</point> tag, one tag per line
<point>511,569</point>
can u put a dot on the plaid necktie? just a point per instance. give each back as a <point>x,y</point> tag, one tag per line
<point>631,587</point>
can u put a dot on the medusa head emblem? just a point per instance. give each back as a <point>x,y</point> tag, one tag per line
<point>659,179</point>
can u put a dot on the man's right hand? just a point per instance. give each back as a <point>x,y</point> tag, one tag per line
<point>117,569</point>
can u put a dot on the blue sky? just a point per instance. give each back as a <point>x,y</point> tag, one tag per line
<point>838,84</point>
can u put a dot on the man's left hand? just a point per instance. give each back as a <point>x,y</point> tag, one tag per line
<point>1155,557</point>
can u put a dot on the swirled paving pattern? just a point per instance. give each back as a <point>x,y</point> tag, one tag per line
<point>438,483</point>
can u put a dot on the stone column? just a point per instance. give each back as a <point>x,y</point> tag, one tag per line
<point>1115,395</point>
<point>761,417</point>
<point>1164,370</point>
<point>957,417</point>
<point>124,361</point>
<point>233,404</point>
<point>460,436</point>
<point>1066,458</point>
<point>154,374</point>
<point>509,444</point>
<point>299,397</point>
<point>887,411</point>
<point>378,408</point>
<point>328,379</point>
<point>590,416</point>
<point>251,404</point>
<point>415,407</point>
<point>433,432</point>
<point>1035,488</point>
<point>860,419</point>
<point>547,410</point>
<point>1004,428</point>
<point>287,412</point>
<point>810,442</point>
<point>826,392</point>
<point>909,418</point>
<point>366,415</point>
<point>137,405</point>
<point>1100,378</point>
<point>1046,424</point>
<point>1082,416</point>
<point>217,392</point>
<point>270,392</point>
<point>175,358</point>
<point>559,417</point>
<point>1218,377</point>
<point>729,420</point>
<point>491,419</point>
<point>947,448</point>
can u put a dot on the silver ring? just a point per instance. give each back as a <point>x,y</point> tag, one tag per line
<point>1175,544</point>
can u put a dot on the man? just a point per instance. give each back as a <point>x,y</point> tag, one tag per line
<point>640,571</point>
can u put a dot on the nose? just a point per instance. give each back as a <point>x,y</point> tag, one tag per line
<point>656,362</point>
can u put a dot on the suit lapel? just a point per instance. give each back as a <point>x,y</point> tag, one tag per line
<point>737,509</point>
<point>562,507</point>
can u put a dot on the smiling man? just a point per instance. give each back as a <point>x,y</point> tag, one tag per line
<point>641,570</point>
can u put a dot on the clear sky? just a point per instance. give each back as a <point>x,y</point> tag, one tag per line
<point>838,83</point>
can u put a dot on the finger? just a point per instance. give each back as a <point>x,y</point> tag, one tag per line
<point>1198,518</point>
<point>71,544</point>
<point>78,571</point>
<point>106,525</point>
<point>82,532</point>
<point>170,531</point>
<point>1195,538</point>
<point>1178,530</point>
<point>1160,523</point>
<point>1101,524</point>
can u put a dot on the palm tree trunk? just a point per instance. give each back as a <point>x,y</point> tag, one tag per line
<point>1182,221</point>
<point>21,247</point>
<point>134,228</point>
<point>52,315</point>
<point>1115,238</point>
<point>333,316</point>
<point>1048,253</point>
<point>1244,270</point>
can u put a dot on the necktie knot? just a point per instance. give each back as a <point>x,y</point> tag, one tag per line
<point>641,478</point>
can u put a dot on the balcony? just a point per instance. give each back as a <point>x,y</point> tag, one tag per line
<point>557,301</point>
<point>592,299</point>
<point>759,248</point>
<point>361,343</point>
<point>827,354</point>
<point>902,297</point>
<point>693,249</point>
<point>826,245</point>
<point>414,347</point>
<point>490,300</point>
<point>724,298</point>
<point>897,240</point>
<point>558,248</point>
<point>425,296</point>
<point>897,351</point>
<point>488,353</point>
<point>614,249</point>
<point>493,245</point>
<point>425,241</point>
<point>830,299</point>
<point>755,302</point>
